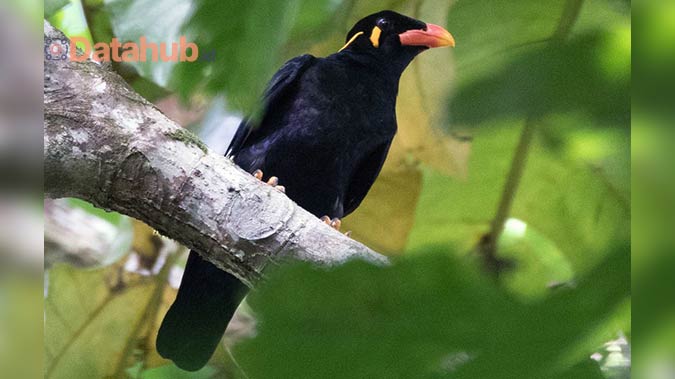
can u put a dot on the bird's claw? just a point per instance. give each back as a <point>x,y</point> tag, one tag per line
<point>334,223</point>
<point>272,181</point>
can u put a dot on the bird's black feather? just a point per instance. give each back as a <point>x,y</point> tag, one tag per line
<point>281,84</point>
<point>365,174</point>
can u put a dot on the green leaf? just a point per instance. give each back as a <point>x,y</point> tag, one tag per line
<point>98,20</point>
<point>315,19</point>
<point>570,77</point>
<point>655,43</point>
<point>95,320</point>
<point>564,198</point>
<point>53,6</point>
<point>21,322</point>
<point>653,183</point>
<point>71,21</point>
<point>508,64</point>
<point>173,372</point>
<point>588,369</point>
<point>240,43</point>
<point>490,33</point>
<point>245,38</point>
<point>427,317</point>
<point>386,216</point>
<point>87,324</point>
<point>158,22</point>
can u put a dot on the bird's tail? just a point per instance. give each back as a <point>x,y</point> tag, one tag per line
<point>195,323</point>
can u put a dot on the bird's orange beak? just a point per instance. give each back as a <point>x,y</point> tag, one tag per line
<point>434,36</point>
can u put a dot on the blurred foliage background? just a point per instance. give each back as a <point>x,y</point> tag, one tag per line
<point>653,183</point>
<point>505,200</point>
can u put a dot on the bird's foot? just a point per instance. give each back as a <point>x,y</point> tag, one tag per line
<point>272,181</point>
<point>335,223</point>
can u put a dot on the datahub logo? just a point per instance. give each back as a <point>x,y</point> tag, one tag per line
<point>143,51</point>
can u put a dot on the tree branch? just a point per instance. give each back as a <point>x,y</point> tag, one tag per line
<point>72,235</point>
<point>107,145</point>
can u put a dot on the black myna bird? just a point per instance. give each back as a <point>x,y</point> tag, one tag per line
<point>326,127</point>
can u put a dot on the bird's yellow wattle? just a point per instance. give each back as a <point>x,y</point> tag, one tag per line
<point>350,41</point>
<point>375,36</point>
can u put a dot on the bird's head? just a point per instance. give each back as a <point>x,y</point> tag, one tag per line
<point>395,37</point>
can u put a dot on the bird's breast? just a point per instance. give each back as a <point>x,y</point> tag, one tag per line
<point>343,107</point>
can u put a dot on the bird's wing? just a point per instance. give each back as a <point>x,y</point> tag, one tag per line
<point>364,176</point>
<point>281,84</point>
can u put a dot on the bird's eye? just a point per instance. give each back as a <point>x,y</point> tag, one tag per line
<point>382,23</point>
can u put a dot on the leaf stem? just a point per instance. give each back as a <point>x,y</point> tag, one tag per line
<point>234,361</point>
<point>513,178</point>
<point>567,20</point>
<point>487,246</point>
<point>149,312</point>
